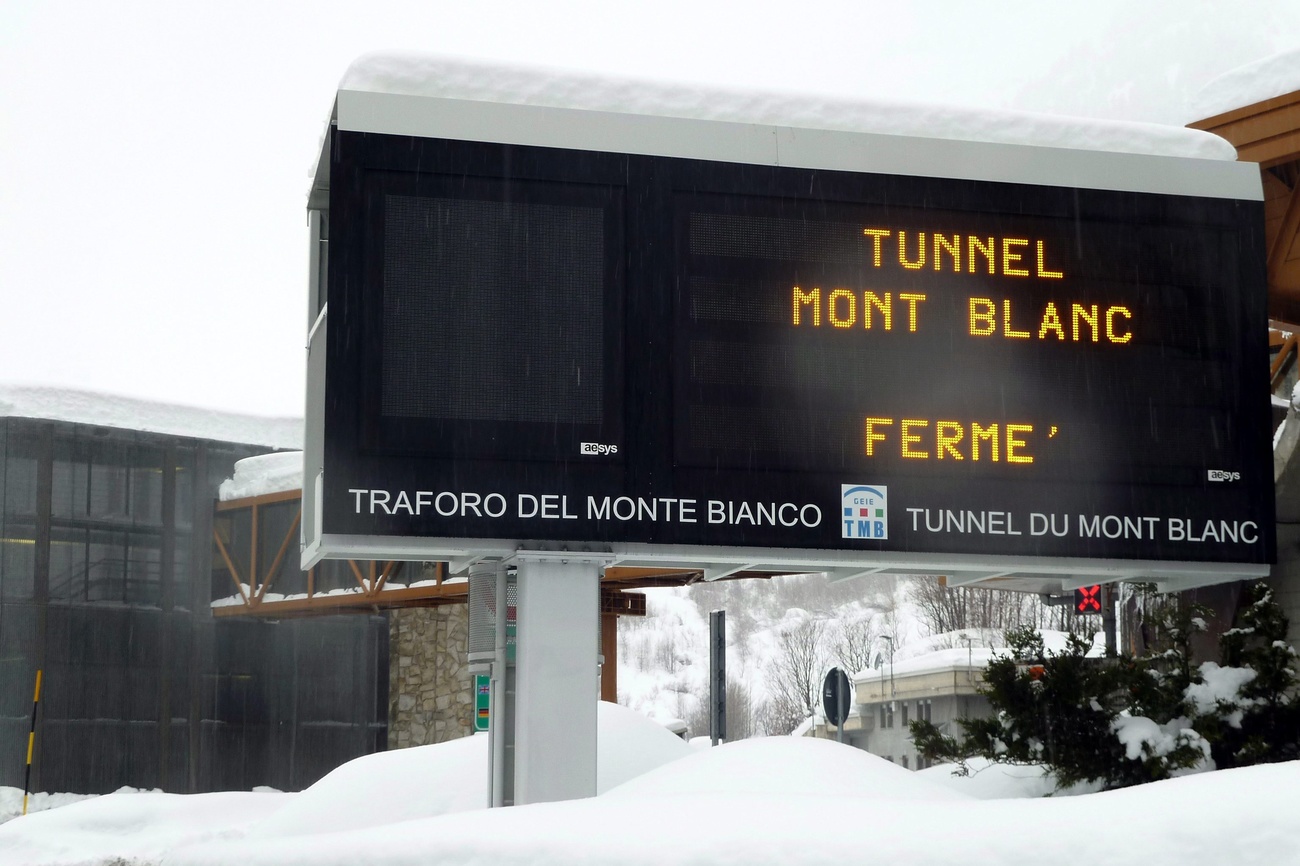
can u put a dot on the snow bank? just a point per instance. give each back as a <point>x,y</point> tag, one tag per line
<point>129,827</point>
<point>1232,816</point>
<point>991,781</point>
<point>458,78</point>
<point>368,792</point>
<point>784,767</point>
<point>263,474</point>
<point>1237,816</point>
<point>426,781</point>
<point>11,802</point>
<point>1255,82</point>
<point>128,413</point>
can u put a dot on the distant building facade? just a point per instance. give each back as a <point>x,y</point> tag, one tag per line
<point>106,579</point>
<point>942,688</point>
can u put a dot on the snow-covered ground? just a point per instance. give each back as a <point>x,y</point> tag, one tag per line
<point>777,800</point>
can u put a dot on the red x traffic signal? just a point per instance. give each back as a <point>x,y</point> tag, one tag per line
<point>1087,599</point>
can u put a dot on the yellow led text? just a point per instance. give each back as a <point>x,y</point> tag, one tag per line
<point>1011,257</point>
<point>1077,323</point>
<point>926,439</point>
<point>842,308</point>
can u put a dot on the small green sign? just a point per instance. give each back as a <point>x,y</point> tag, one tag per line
<point>482,696</point>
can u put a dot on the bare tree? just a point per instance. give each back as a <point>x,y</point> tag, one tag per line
<point>945,608</point>
<point>741,721</point>
<point>743,716</point>
<point>793,676</point>
<point>854,638</point>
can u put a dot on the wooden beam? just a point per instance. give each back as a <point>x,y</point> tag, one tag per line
<point>230,566</point>
<point>383,577</point>
<point>356,574</point>
<point>252,558</point>
<point>279,556</point>
<point>264,499</point>
<point>1279,364</point>
<point>1266,132</point>
<point>609,649</point>
<point>1281,244</point>
<point>618,603</point>
<point>423,596</point>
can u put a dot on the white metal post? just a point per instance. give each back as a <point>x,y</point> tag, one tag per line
<point>498,722</point>
<point>557,644</point>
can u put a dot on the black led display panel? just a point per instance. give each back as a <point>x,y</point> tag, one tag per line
<point>558,345</point>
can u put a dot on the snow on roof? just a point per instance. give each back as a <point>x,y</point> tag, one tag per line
<point>417,74</point>
<point>263,474</point>
<point>976,658</point>
<point>986,644</point>
<point>129,413</point>
<point>1246,85</point>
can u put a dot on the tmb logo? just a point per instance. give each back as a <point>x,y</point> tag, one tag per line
<point>1222,475</point>
<point>866,513</point>
<point>596,448</point>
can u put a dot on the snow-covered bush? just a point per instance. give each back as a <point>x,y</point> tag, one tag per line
<point>1248,708</point>
<point>1071,713</point>
<point>1124,720</point>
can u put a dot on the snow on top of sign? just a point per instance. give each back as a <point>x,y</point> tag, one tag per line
<point>446,77</point>
<point>263,474</point>
<point>129,413</point>
<point>1255,82</point>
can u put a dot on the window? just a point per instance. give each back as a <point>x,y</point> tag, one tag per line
<point>923,710</point>
<point>904,758</point>
<point>905,725</point>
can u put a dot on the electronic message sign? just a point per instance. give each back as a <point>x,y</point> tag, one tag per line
<point>638,351</point>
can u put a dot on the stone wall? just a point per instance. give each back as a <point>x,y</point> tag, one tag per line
<point>429,682</point>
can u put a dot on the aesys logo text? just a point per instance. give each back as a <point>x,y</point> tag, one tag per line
<point>866,512</point>
<point>596,448</point>
<point>1222,475</point>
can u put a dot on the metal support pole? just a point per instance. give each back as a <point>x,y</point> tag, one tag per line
<point>497,726</point>
<point>718,676</point>
<point>841,704</point>
<point>1108,617</point>
<point>31,741</point>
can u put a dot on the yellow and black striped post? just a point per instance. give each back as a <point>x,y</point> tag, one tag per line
<point>31,741</point>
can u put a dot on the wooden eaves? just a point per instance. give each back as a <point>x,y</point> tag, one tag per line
<point>258,592</point>
<point>1268,133</point>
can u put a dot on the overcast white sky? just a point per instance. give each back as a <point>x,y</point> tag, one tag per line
<point>154,155</point>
